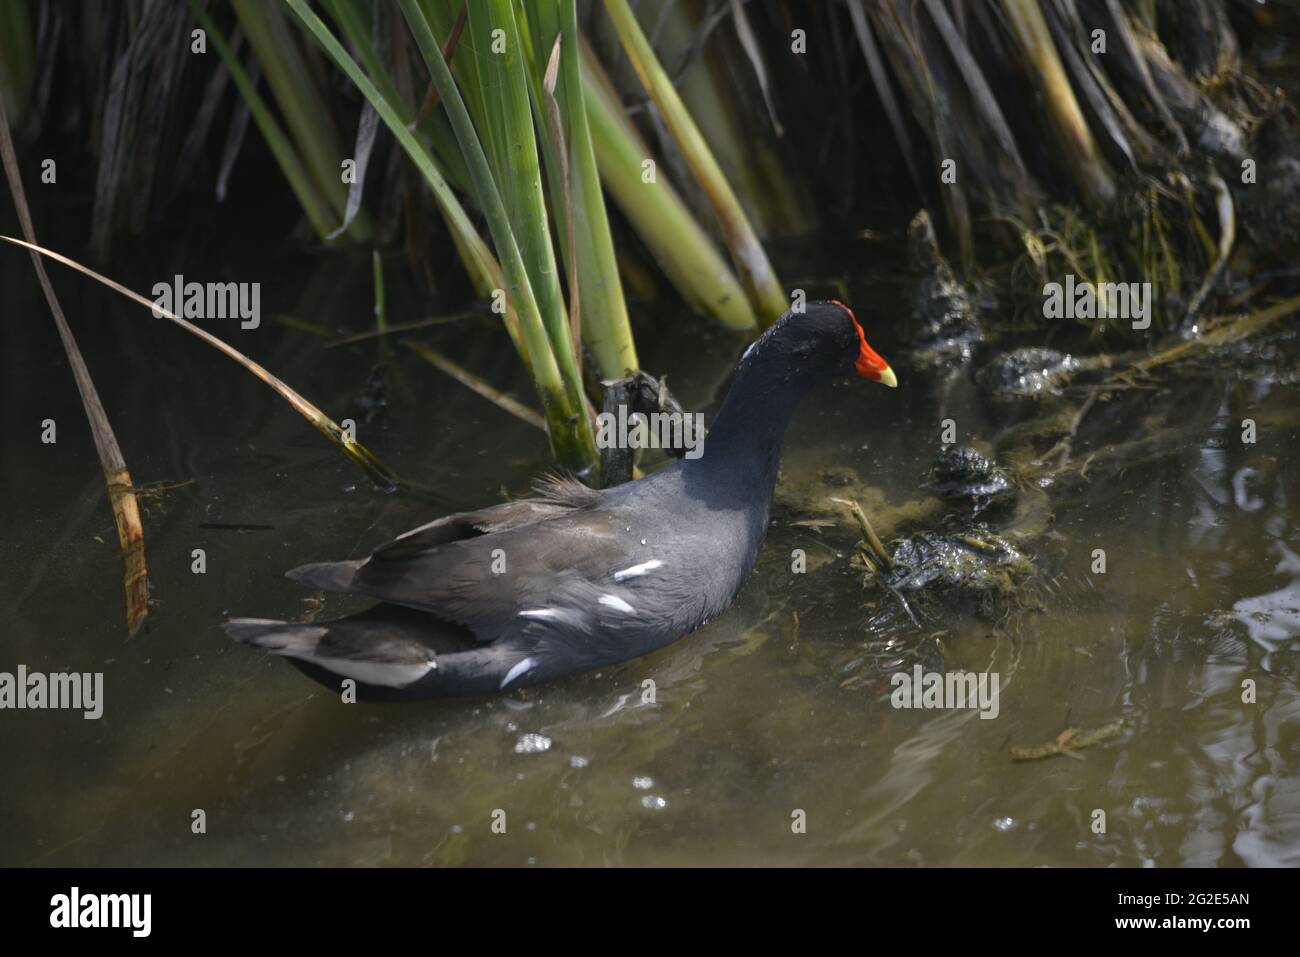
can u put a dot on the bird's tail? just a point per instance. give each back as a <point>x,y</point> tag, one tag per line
<point>327,576</point>
<point>390,653</point>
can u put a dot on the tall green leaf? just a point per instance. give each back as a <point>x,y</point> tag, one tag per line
<point>547,340</point>
<point>603,310</point>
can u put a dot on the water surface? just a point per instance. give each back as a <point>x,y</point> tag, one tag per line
<point>781,705</point>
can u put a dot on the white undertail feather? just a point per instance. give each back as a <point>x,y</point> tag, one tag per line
<point>520,668</point>
<point>303,642</point>
<point>385,674</point>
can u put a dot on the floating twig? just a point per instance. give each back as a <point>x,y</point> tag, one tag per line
<point>1069,741</point>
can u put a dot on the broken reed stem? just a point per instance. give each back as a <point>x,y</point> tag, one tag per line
<point>366,460</point>
<point>121,495</point>
<point>868,533</point>
<point>473,382</point>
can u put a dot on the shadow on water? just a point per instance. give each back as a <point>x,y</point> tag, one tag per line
<point>782,705</point>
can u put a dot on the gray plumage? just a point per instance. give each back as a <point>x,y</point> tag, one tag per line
<point>574,578</point>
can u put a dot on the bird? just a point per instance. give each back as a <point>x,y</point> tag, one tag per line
<point>575,578</point>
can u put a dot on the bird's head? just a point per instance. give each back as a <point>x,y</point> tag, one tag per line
<point>824,338</point>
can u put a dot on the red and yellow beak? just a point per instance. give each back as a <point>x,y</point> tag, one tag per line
<point>869,363</point>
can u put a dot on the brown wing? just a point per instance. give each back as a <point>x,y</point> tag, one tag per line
<point>555,496</point>
<point>479,569</point>
<point>485,581</point>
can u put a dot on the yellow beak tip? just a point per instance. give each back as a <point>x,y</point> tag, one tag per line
<point>888,378</point>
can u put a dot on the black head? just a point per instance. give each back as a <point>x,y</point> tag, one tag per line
<point>823,339</point>
<point>805,347</point>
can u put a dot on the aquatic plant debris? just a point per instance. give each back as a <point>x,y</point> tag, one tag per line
<point>974,560</point>
<point>961,473</point>
<point>1227,237</point>
<point>868,533</point>
<point>1026,373</point>
<point>1220,332</point>
<point>945,325</point>
<point>1069,741</point>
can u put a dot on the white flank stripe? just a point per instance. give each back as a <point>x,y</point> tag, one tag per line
<point>540,613</point>
<point>637,570</point>
<point>613,601</point>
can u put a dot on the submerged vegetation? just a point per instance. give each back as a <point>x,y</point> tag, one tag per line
<point>573,167</point>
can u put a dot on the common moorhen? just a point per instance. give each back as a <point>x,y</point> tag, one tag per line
<point>575,578</point>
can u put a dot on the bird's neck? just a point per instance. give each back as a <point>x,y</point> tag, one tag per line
<point>747,434</point>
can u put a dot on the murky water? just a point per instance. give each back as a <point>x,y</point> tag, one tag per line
<point>781,706</point>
